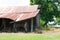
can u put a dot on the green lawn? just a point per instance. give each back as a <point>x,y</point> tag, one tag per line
<point>19,36</point>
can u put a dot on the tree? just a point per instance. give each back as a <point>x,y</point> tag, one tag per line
<point>49,9</point>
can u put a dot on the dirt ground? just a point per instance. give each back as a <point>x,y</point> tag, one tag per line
<point>52,30</point>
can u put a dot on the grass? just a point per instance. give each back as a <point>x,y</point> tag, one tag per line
<point>18,36</point>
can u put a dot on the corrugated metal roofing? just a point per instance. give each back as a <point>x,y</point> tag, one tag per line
<point>19,13</point>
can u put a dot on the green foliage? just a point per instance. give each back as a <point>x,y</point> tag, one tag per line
<point>48,8</point>
<point>57,20</point>
<point>32,2</point>
<point>47,12</point>
<point>42,22</point>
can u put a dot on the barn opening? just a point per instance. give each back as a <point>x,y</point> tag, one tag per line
<point>5,25</point>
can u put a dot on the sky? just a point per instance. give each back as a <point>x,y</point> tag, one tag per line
<point>5,3</point>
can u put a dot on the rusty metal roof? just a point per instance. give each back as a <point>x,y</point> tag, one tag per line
<point>19,13</point>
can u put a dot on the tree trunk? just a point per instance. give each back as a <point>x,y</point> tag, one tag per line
<point>38,27</point>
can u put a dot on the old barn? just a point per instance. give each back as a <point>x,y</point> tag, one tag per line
<point>19,18</point>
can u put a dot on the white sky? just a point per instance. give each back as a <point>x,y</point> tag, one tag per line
<point>5,3</point>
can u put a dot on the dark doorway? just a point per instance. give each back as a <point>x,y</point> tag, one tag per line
<point>5,25</point>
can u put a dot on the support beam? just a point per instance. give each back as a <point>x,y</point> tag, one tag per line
<point>14,27</point>
<point>32,25</point>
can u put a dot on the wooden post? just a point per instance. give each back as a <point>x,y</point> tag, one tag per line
<point>3,23</point>
<point>32,25</point>
<point>25,26</point>
<point>14,27</point>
